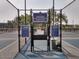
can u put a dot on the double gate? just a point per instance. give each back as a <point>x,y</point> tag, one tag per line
<point>46,35</point>
<point>41,20</point>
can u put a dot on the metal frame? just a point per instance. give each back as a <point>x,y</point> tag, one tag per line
<point>61,10</point>
<point>11,4</point>
<point>32,45</point>
<point>61,30</point>
<point>18,31</point>
<point>18,10</point>
<point>68,4</point>
<point>49,22</point>
<point>38,9</point>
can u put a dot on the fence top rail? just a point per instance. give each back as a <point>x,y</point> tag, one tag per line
<point>38,9</point>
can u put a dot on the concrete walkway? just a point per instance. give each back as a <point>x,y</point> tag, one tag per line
<point>69,52</point>
<point>39,52</point>
<point>41,55</point>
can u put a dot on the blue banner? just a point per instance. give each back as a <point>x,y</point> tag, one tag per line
<point>25,31</point>
<point>55,31</point>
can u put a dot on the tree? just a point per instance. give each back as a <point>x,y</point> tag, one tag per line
<point>10,25</point>
<point>22,19</point>
<point>14,23</point>
<point>57,17</point>
<point>64,18</point>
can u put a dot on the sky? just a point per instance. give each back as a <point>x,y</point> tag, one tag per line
<point>7,12</point>
<point>40,3</point>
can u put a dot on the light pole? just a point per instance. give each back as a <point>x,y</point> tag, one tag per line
<point>25,19</point>
<point>25,12</point>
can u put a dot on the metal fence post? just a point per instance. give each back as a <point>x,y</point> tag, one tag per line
<point>61,30</point>
<point>32,43</point>
<point>48,39</point>
<point>53,20</point>
<point>18,31</point>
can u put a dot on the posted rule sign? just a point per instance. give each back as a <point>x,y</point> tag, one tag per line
<point>55,31</point>
<point>25,31</point>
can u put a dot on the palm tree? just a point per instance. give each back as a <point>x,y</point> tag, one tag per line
<point>64,18</point>
<point>57,17</point>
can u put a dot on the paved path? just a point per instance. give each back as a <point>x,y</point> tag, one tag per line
<point>40,52</point>
<point>41,55</point>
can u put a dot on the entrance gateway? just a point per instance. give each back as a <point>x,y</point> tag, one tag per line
<point>40,29</point>
<point>43,28</point>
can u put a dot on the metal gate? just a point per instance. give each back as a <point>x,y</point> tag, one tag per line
<point>46,34</point>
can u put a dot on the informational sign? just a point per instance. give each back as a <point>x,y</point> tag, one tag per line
<point>55,31</point>
<point>25,31</point>
<point>40,17</point>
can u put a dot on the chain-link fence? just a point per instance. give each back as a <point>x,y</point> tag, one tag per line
<point>26,22</point>
<point>71,30</point>
<point>8,30</point>
<point>9,25</point>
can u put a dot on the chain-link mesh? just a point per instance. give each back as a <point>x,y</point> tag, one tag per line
<point>8,30</point>
<point>71,30</point>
